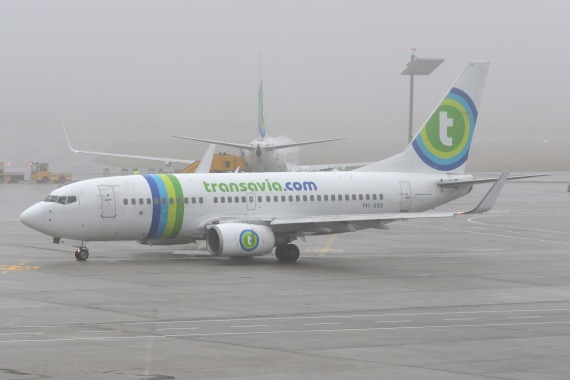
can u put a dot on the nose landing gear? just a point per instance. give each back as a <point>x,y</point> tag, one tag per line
<point>81,254</point>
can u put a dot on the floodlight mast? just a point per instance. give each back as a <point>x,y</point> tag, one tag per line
<point>418,66</point>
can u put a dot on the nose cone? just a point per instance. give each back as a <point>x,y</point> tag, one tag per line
<point>33,217</point>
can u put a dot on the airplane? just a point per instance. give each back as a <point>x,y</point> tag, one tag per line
<point>273,153</point>
<point>262,154</point>
<point>251,214</point>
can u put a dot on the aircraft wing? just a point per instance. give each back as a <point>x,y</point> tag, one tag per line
<point>232,145</point>
<point>356,218</point>
<point>327,224</point>
<point>166,160</point>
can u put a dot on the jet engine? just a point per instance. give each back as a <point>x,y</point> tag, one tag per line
<point>239,240</point>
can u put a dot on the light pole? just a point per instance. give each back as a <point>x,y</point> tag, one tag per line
<point>418,66</point>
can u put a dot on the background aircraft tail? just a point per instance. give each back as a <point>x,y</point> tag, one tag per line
<point>444,141</point>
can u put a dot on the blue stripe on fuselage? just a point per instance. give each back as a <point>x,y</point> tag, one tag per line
<point>155,206</point>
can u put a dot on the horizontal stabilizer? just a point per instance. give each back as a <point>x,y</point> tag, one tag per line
<point>456,183</point>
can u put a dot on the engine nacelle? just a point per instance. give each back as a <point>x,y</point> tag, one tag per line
<point>239,240</point>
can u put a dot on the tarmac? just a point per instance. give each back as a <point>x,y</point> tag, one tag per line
<point>471,297</point>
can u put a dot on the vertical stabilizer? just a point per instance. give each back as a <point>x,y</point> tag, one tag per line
<point>260,119</point>
<point>444,141</point>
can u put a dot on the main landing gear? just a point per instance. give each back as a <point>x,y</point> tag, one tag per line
<point>288,253</point>
<point>81,254</point>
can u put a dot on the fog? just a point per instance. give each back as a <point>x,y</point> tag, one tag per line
<point>124,75</point>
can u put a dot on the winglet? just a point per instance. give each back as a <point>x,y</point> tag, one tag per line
<point>68,142</point>
<point>489,199</point>
<point>206,161</point>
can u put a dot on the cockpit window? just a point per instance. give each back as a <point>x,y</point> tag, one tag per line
<point>61,200</point>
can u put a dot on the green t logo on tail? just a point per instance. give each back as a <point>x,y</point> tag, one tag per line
<point>445,141</point>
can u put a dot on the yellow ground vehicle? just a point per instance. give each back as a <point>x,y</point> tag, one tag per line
<point>9,177</point>
<point>40,172</point>
<point>221,163</point>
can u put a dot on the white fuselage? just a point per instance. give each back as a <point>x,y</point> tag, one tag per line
<point>176,207</point>
<point>278,160</point>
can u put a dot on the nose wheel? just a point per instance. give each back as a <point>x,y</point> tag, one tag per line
<point>81,254</point>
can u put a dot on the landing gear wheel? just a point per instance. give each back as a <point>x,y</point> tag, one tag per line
<point>81,254</point>
<point>288,253</point>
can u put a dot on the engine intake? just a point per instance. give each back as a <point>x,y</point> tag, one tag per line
<point>239,240</point>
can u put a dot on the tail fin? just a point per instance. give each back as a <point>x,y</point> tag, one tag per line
<point>444,141</point>
<point>260,119</point>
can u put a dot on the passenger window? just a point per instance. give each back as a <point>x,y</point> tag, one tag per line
<point>171,201</point>
<point>346,197</point>
<point>133,201</point>
<point>229,199</point>
<point>268,198</point>
<point>367,197</point>
<point>201,200</point>
<point>156,201</point>
<point>125,201</point>
<point>215,199</point>
<point>360,197</point>
<point>312,197</point>
<point>297,198</point>
<point>148,201</point>
<point>319,197</point>
<point>333,198</point>
<point>141,201</point>
<point>381,196</point>
<point>283,198</point>
<point>186,200</point>
<point>193,200</point>
<point>290,198</point>
<point>373,197</point>
<point>353,197</point>
<point>251,199</point>
<point>178,201</point>
<point>163,201</point>
<point>275,198</point>
<point>304,198</point>
<point>259,198</point>
<point>223,199</point>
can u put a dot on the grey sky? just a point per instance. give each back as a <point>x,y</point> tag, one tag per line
<point>122,73</point>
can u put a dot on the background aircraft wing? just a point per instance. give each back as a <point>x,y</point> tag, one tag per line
<point>224,143</point>
<point>331,167</point>
<point>281,146</point>
<point>166,160</point>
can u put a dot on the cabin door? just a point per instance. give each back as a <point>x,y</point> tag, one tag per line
<point>108,206</point>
